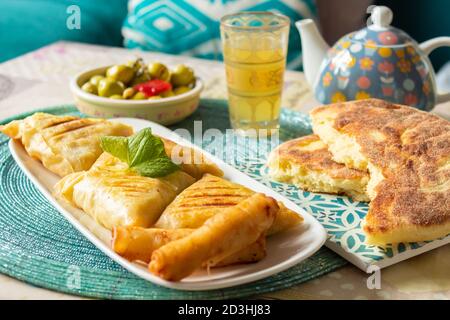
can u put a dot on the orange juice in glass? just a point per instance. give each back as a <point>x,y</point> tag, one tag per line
<point>254,50</point>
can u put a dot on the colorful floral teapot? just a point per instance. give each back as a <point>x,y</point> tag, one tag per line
<point>379,61</point>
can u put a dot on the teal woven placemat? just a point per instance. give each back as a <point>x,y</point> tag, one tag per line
<point>38,246</point>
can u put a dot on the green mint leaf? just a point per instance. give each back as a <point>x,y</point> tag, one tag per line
<point>159,167</point>
<point>143,152</point>
<point>117,146</point>
<point>144,146</point>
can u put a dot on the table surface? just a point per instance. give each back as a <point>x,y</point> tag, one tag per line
<point>40,79</point>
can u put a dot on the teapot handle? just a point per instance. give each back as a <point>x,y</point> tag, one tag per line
<point>427,47</point>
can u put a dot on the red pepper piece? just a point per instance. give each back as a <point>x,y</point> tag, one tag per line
<point>153,87</point>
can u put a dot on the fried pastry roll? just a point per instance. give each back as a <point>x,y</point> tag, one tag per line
<point>252,253</point>
<point>138,244</point>
<point>222,235</point>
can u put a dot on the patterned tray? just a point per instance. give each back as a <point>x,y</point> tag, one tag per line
<point>39,246</point>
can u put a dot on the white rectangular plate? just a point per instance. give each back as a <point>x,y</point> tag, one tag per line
<point>284,250</point>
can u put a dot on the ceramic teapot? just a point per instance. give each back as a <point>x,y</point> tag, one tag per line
<point>379,61</point>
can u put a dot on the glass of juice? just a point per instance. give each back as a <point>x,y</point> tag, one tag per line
<point>254,50</point>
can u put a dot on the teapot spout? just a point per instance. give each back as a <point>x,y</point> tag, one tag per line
<point>314,49</point>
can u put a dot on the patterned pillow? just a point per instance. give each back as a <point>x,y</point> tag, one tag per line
<point>191,27</point>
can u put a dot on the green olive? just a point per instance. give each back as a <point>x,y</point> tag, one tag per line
<point>128,93</point>
<point>141,76</point>
<point>96,79</point>
<point>154,97</point>
<point>136,64</point>
<point>167,94</point>
<point>181,90</point>
<point>116,96</point>
<point>182,75</point>
<point>139,96</point>
<point>121,73</point>
<point>158,71</point>
<point>108,87</point>
<point>89,87</point>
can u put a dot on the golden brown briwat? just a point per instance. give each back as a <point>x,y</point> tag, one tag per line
<point>211,195</point>
<point>407,153</point>
<point>64,144</point>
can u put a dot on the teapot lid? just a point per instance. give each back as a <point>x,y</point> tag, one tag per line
<point>380,32</point>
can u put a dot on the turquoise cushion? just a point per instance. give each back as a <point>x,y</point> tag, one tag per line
<point>192,27</point>
<point>29,24</point>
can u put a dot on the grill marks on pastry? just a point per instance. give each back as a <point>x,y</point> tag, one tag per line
<point>62,129</point>
<point>55,121</point>
<point>209,196</point>
<point>216,196</point>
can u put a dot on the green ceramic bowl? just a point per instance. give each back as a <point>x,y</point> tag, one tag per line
<point>165,111</point>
